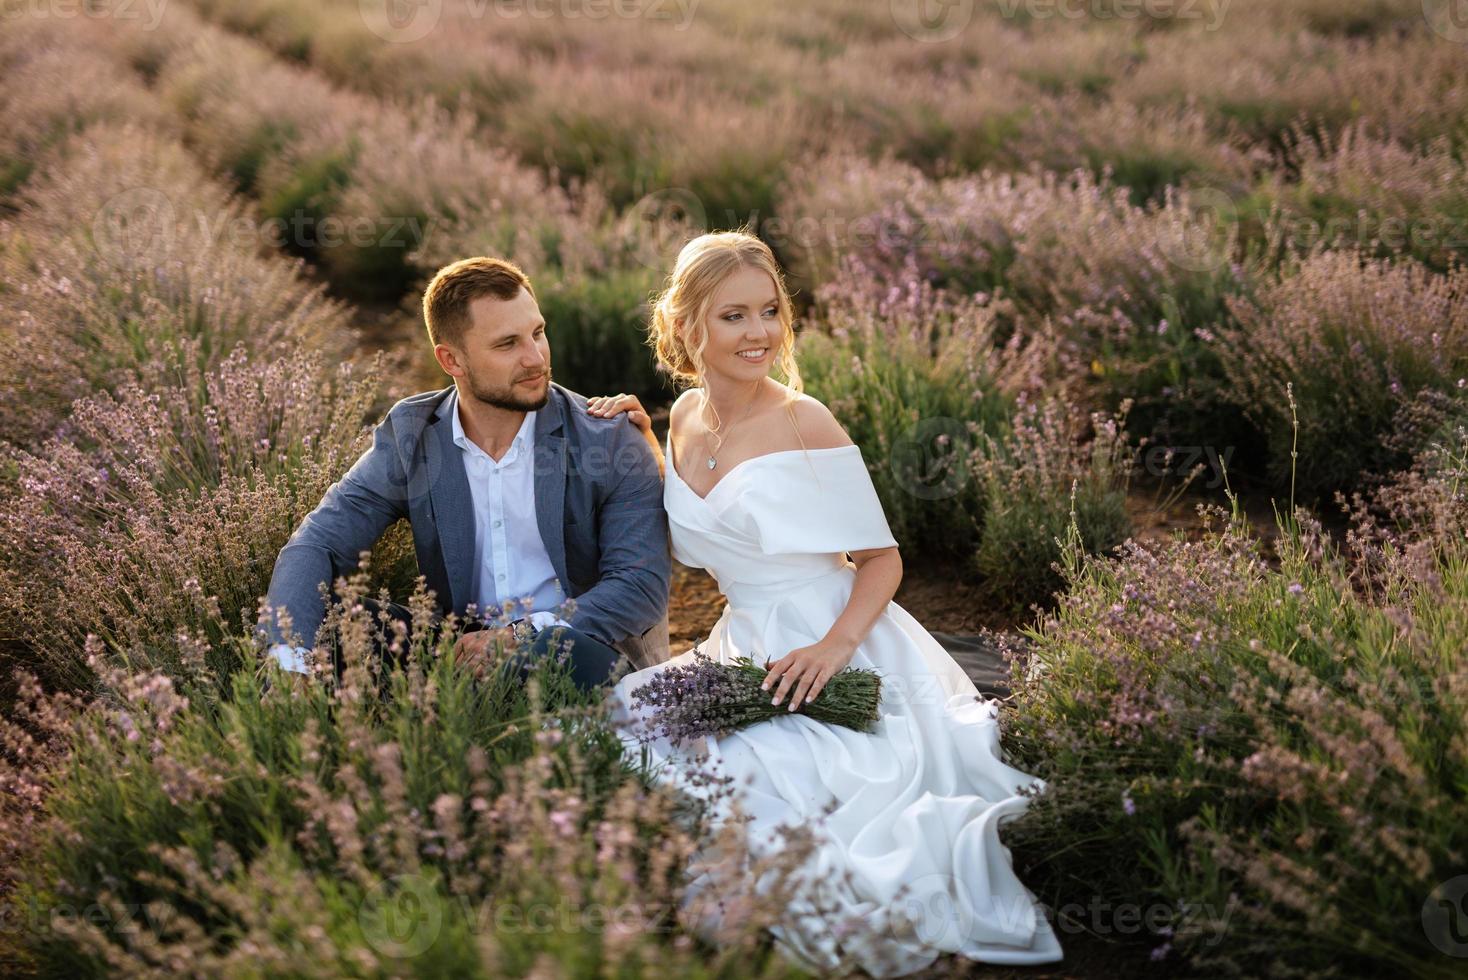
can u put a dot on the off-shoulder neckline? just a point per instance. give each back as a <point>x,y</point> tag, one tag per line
<point>673,465</point>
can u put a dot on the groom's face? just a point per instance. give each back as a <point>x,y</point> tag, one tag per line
<point>506,357</point>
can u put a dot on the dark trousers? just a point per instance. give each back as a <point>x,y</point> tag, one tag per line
<point>592,662</point>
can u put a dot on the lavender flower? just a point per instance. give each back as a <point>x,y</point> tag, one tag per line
<point>710,698</point>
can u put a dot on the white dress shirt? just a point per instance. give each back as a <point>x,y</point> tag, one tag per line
<point>509,555</point>
<point>510,560</point>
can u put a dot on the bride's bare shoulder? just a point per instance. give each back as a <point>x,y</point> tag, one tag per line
<point>685,405</point>
<point>683,415</point>
<point>818,428</point>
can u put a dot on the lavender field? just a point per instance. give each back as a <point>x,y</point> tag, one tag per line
<point>1062,268</point>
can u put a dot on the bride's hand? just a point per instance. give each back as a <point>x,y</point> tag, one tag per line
<point>807,669</point>
<point>610,406</point>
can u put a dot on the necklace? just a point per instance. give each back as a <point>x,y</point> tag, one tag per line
<point>713,462</point>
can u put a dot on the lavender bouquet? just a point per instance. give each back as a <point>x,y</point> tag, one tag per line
<point>709,698</point>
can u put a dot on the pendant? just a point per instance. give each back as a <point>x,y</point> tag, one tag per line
<point>711,462</point>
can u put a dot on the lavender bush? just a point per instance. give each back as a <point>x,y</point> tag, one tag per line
<point>450,826</point>
<point>1134,293</point>
<point>967,461</point>
<point>327,163</point>
<point>1428,501</point>
<point>179,488</point>
<point>1278,747</point>
<point>1263,74</point>
<point>59,86</point>
<point>1146,149</point>
<point>1346,345</point>
<point>1049,470</point>
<point>116,262</point>
<point>1355,190</point>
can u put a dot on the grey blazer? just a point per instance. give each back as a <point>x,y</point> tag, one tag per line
<point>598,504</point>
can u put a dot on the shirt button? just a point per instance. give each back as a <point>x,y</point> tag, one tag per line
<point>498,523</point>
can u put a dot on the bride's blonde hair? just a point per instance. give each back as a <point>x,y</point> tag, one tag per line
<point>702,265</point>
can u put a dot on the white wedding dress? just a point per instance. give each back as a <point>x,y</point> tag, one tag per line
<point>908,815</point>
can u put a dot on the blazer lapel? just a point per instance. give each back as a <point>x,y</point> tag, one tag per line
<point>550,482</point>
<point>453,507</point>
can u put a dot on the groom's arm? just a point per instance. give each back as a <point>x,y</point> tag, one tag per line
<point>631,594</point>
<point>351,517</point>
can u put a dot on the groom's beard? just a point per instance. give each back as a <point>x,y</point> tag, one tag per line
<point>512,397</point>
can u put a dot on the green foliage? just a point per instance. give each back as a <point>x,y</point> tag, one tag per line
<point>308,195</point>
<point>597,327</point>
<point>962,471</point>
<point>1028,514</point>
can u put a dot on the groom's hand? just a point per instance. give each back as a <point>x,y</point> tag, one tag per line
<point>609,406</point>
<point>477,649</point>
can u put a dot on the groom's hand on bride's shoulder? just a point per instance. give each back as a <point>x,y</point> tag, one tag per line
<point>609,406</point>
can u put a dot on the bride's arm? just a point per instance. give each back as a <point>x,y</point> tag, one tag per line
<point>878,574</point>
<point>807,669</point>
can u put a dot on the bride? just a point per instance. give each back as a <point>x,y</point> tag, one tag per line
<point>765,490</point>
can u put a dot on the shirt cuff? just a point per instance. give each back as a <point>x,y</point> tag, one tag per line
<point>290,658</point>
<point>543,619</point>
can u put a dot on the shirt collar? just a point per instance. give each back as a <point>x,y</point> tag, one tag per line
<point>524,438</point>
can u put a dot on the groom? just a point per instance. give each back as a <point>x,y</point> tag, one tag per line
<point>514,494</point>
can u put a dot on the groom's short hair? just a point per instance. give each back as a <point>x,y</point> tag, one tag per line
<point>447,298</point>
